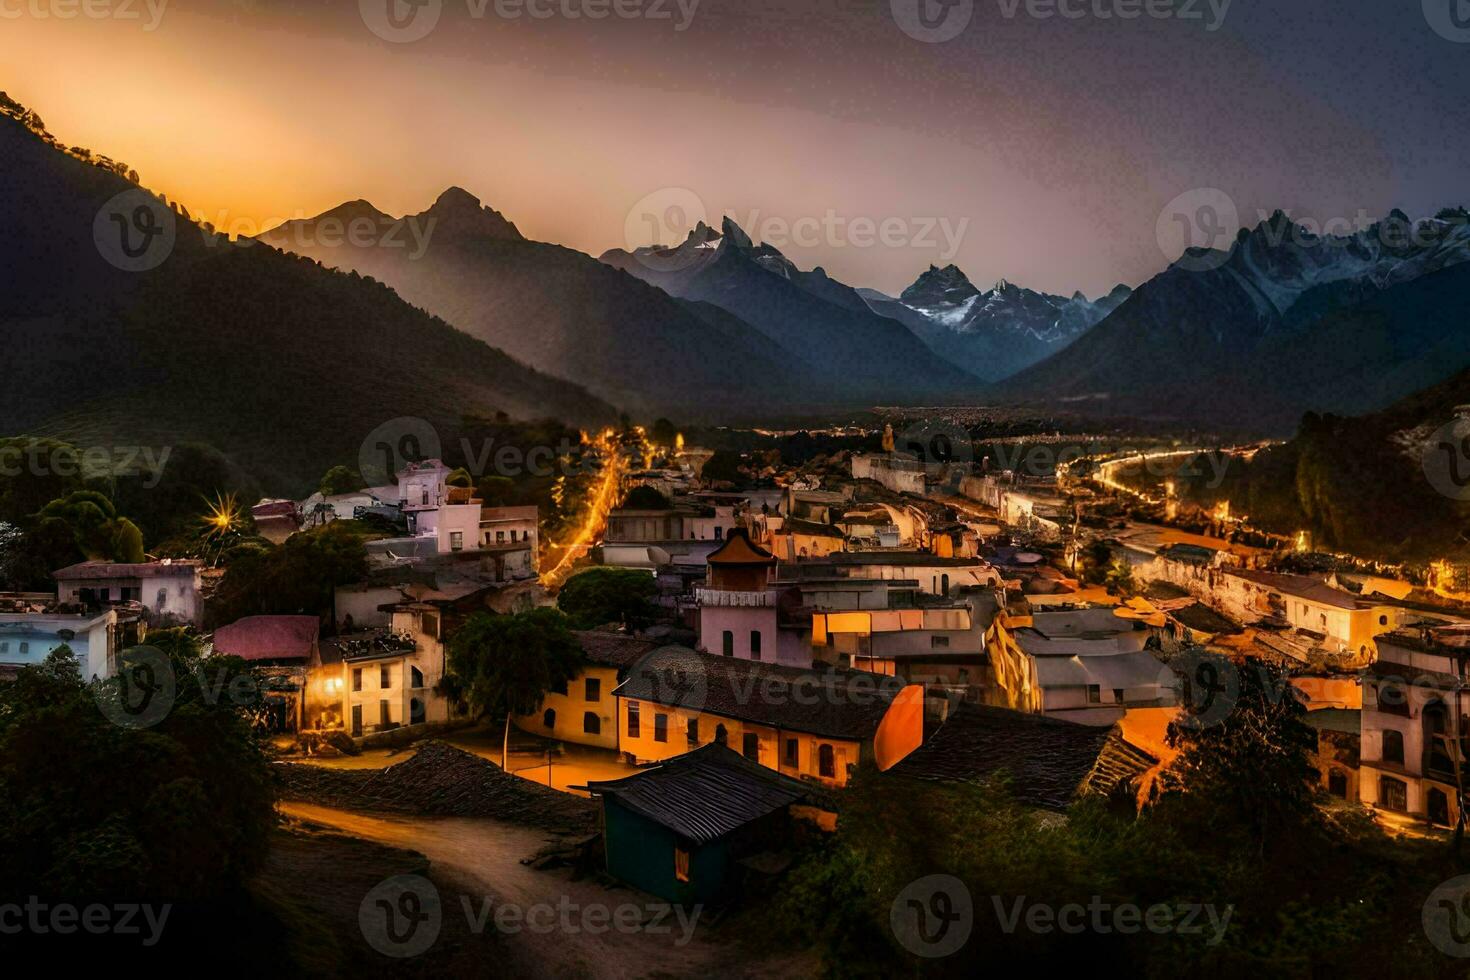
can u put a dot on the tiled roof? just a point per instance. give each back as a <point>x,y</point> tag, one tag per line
<point>705,794</point>
<point>103,569</point>
<point>613,649</point>
<point>268,637</point>
<point>1203,619</point>
<point>1049,762</point>
<point>1301,586</point>
<point>738,549</point>
<point>834,703</point>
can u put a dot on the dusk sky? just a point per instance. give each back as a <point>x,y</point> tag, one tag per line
<point>1048,147</point>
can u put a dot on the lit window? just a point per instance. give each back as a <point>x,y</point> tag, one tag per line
<point>681,863</point>
<point>633,727</point>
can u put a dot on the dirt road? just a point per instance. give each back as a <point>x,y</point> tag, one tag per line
<point>483,858</point>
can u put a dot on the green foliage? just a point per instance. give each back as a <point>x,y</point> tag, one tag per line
<point>338,480</point>
<point>93,810</point>
<point>100,534</point>
<point>460,478</point>
<point>506,664</point>
<point>605,594</point>
<point>299,576</point>
<point>1119,577</point>
<point>1095,561</point>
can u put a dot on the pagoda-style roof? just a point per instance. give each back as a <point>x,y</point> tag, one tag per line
<point>738,549</point>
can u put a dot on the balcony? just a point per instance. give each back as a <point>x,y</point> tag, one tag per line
<point>720,597</point>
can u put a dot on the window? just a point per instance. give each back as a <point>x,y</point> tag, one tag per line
<point>592,689</point>
<point>500,537</point>
<point>793,752</point>
<point>1117,695</point>
<point>938,642</point>
<point>591,724</point>
<point>693,731</point>
<point>752,747</point>
<point>944,585</point>
<point>660,728</point>
<point>456,540</point>
<point>383,714</point>
<point>1393,746</point>
<point>1393,700</point>
<point>728,643</point>
<point>548,718</point>
<point>1393,794</point>
<point>25,648</point>
<point>385,677</point>
<point>755,645</point>
<point>512,537</point>
<point>357,679</point>
<point>721,735</point>
<point>1382,620</point>
<point>681,863</point>
<point>1094,694</point>
<point>826,762</point>
<point>633,728</point>
<point>417,676</point>
<point>1337,783</point>
<point>719,534</point>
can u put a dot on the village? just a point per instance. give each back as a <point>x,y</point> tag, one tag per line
<point>745,642</point>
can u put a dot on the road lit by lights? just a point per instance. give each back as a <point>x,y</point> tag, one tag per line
<point>603,501</point>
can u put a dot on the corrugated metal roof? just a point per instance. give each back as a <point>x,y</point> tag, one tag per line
<point>705,794</point>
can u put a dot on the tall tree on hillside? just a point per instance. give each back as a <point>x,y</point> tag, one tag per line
<point>604,595</point>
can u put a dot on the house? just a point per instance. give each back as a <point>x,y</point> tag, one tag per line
<point>276,520</point>
<point>282,649</point>
<point>791,538</point>
<point>95,639</point>
<point>901,474</point>
<point>681,829</point>
<point>502,527</point>
<point>932,574</point>
<point>941,644</point>
<point>1048,762</point>
<point>814,724</point>
<point>381,680</point>
<point>1416,696</point>
<point>168,591</point>
<point>737,605</point>
<point>585,709</point>
<point>1086,665</point>
<point>1339,747</point>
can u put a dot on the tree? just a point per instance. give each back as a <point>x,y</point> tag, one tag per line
<point>645,498</point>
<point>722,467</point>
<point>299,576</point>
<point>100,533</point>
<point>460,478</point>
<point>663,433</point>
<point>504,665</point>
<point>338,480</point>
<point>604,594</point>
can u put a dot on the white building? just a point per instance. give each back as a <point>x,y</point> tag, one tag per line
<point>168,591</point>
<point>27,639</point>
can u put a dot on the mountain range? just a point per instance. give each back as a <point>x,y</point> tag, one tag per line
<point>992,333</point>
<point>1282,322</point>
<point>822,321</point>
<point>281,364</point>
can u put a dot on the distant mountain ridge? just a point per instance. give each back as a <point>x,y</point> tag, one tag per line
<point>997,332</point>
<point>560,310</point>
<point>1224,333</point>
<point>822,320</point>
<point>282,365</point>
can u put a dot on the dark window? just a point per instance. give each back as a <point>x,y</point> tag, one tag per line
<point>1439,808</point>
<point>591,724</point>
<point>383,713</point>
<point>721,735</point>
<point>1118,695</point>
<point>944,584</point>
<point>1393,794</point>
<point>417,675</point>
<point>1094,694</point>
<point>1337,783</point>
<point>1382,620</point>
<point>727,644</point>
<point>755,644</point>
<point>938,642</point>
<point>1393,700</point>
<point>660,728</point>
<point>632,719</point>
<point>827,761</point>
<point>693,731</point>
<point>793,752</point>
<point>385,676</point>
<point>416,714</point>
<point>1393,746</point>
<point>548,718</point>
<point>593,690</point>
<point>719,534</point>
<point>357,679</point>
<point>752,747</point>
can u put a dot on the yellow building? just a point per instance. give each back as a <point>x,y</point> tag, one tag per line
<point>813,724</point>
<point>585,710</point>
